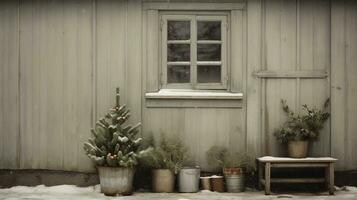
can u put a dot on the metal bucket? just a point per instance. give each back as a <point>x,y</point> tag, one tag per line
<point>235,183</point>
<point>116,180</point>
<point>189,179</point>
<point>234,179</point>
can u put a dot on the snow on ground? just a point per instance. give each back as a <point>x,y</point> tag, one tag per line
<point>77,193</point>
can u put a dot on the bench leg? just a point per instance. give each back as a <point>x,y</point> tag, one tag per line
<point>260,175</point>
<point>267,178</point>
<point>330,176</point>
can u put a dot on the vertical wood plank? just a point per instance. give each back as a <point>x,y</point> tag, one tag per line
<point>9,78</point>
<point>133,65</point>
<point>70,42</point>
<point>351,83</point>
<point>54,109</point>
<point>43,83</point>
<point>338,84</point>
<point>111,57</point>
<point>253,90</point>
<point>28,105</point>
<point>152,51</point>
<point>84,82</point>
<point>237,54</point>
<point>273,42</point>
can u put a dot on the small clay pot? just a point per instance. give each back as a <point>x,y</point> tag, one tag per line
<point>163,180</point>
<point>298,149</point>
<point>205,183</point>
<point>217,183</point>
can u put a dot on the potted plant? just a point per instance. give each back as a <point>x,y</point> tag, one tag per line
<point>234,165</point>
<point>114,150</point>
<point>166,159</point>
<point>301,128</point>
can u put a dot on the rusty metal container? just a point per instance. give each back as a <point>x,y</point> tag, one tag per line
<point>234,179</point>
<point>116,180</point>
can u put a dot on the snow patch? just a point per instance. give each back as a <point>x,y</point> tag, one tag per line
<point>72,192</point>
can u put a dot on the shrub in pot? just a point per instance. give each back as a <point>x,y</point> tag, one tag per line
<point>166,159</point>
<point>301,128</point>
<point>114,148</point>
<point>234,165</point>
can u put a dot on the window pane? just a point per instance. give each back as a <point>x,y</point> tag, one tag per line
<point>209,74</point>
<point>209,30</point>
<point>178,52</point>
<point>208,52</point>
<point>178,74</point>
<point>178,30</point>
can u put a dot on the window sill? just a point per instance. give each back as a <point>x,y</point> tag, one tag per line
<point>192,94</point>
<point>193,99</point>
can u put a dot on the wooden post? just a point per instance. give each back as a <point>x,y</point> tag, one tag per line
<point>267,178</point>
<point>331,180</point>
<point>117,97</point>
<point>260,174</point>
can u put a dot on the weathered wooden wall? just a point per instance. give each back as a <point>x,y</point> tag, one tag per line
<point>291,44</point>
<point>344,83</point>
<point>51,88</point>
<point>60,61</point>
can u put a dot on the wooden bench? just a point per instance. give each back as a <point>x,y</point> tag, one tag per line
<point>266,163</point>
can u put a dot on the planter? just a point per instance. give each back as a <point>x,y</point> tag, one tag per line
<point>116,180</point>
<point>217,183</point>
<point>205,183</point>
<point>234,179</point>
<point>298,149</point>
<point>189,179</point>
<point>163,180</point>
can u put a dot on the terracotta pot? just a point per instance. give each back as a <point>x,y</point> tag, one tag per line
<point>298,149</point>
<point>205,183</point>
<point>163,180</point>
<point>234,179</point>
<point>217,183</point>
<point>116,180</point>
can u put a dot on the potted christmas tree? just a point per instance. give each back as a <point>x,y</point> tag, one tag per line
<point>301,128</point>
<point>114,150</point>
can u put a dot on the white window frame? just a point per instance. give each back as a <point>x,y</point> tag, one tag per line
<point>151,45</point>
<point>194,17</point>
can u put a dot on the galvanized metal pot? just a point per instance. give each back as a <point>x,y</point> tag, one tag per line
<point>234,179</point>
<point>163,180</point>
<point>116,180</point>
<point>189,179</point>
<point>298,149</point>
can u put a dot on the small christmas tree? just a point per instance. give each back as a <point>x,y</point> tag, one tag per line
<point>113,144</point>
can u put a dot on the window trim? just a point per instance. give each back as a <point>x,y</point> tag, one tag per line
<point>194,17</point>
<point>152,9</point>
<point>154,5</point>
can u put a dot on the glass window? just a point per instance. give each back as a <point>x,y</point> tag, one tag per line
<point>194,51</point>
